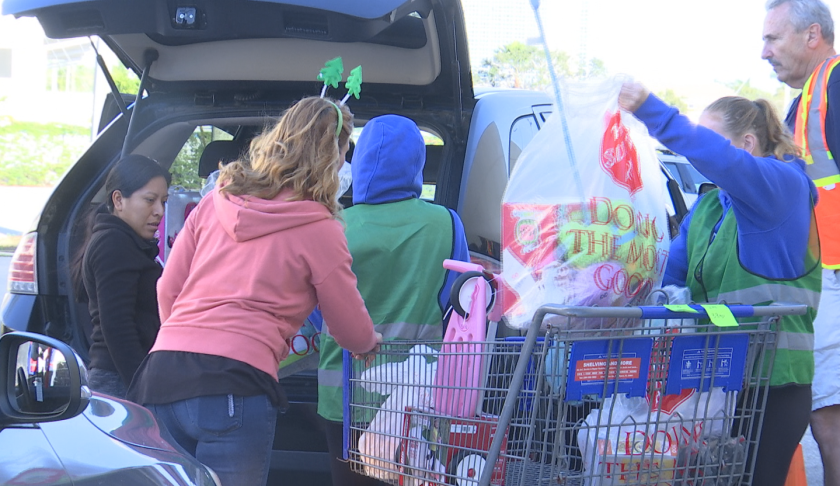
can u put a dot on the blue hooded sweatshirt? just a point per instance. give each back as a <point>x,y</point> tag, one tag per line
<point>771,199</point>
<point>387,167</point>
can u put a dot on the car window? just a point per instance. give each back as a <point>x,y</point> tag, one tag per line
<point>695,178</point>
<point>521,132</point>
<point>184,168</point>
<point>434,156</point>
<point>675,173</point>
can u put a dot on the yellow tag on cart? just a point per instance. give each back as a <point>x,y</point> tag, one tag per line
<point>682,308</point>
<point>720,315</point>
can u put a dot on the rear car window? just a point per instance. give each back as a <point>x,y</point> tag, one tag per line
<point>184,168</point>
<point>521,132</point>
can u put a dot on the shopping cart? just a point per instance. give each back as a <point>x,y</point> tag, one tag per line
<point>670,400</point>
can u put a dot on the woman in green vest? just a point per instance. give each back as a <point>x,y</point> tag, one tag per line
<point>751,241</point>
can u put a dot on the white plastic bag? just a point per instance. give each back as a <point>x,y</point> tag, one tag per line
<point>632,440</point>
<point>595,236</point>
<point>671,295</point>
<point>407,384</point>
<point>345,178</point>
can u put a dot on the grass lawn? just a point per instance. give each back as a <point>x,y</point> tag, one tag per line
<point>8,243</point>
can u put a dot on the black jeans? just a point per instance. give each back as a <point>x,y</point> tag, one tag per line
<point>107,382</point>
<point>342,475</point>
<point>786,417</point>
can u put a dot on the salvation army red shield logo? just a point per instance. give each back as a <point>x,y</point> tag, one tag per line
<point>618,155</point>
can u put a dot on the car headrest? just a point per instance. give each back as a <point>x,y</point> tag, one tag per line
<point>434,156</point>
<point>224,151</point>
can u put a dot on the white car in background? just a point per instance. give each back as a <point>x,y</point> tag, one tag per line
<point>692,183</point>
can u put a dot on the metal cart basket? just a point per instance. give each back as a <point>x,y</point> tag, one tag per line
<point>631,396</point>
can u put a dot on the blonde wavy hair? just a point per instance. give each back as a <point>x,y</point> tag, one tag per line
<point>300,152</point>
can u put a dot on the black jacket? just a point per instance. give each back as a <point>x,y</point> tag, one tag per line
<point>120,276</point>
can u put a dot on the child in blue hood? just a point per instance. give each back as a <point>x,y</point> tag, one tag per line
<point>398,243</point>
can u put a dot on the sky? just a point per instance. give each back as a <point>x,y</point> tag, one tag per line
<point>690,46</point>
<point>662,43</point>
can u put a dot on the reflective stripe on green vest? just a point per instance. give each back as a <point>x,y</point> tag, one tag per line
<point>715,274</point>
<point>398,251</point>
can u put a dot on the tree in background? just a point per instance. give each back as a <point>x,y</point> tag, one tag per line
<point>517,65</point>
<point>126,81</point>
<point>38,154</point>
<point>673,99</point>
<point>184,168</point>
<point>780,99</point>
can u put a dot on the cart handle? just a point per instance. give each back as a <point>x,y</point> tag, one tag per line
<point>659,312</point>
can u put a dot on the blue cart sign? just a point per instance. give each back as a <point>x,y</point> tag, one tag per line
<point>697,361</point>
<point>605,367</point>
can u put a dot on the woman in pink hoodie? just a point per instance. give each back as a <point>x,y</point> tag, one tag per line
<point>252,261</point>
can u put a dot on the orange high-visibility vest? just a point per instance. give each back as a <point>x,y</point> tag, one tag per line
<point>809,133</point>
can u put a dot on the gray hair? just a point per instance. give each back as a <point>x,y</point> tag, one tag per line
<point>804,13</point>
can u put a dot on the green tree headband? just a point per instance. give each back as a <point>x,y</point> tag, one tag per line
<point>340,118</point>
<point>331,74</point>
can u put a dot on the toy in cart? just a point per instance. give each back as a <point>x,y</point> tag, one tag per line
<point>430,429</point>
<point>445,450</point>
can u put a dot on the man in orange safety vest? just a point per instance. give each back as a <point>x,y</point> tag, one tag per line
<point>799,44</point>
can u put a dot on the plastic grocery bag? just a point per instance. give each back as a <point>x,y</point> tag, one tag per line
<point>407,384</point>
<point>633,440</point>
<point>595,236</point>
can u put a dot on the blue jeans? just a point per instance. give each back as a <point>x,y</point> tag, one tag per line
<point>230,434</point>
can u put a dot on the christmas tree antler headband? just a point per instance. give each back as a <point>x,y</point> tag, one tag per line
<point>331,75</point>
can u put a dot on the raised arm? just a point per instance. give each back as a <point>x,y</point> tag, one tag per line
<point>761,188</point>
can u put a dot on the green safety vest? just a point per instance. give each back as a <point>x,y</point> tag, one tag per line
<point>722,278</point>
<point>398,251</point>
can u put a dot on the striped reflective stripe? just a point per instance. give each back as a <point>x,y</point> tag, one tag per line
<point>330,377</point>
<point>795,341</point>
<point>403,330</point>
<point>769,292</point>
<point>810,132</point>
<point>827,181</point>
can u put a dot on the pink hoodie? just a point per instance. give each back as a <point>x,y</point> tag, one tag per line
<point>245,272</point>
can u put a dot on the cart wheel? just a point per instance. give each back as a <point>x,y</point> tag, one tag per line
<point>465,468</point>
<point>462,289</point>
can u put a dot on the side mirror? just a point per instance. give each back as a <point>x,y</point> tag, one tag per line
<point>706,187</point>
<point>41,380</point>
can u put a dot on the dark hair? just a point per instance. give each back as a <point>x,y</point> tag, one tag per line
<point>804,13</point>
<point>129,174</point>
<point>740,116</point>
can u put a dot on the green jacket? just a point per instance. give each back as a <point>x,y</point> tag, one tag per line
<point>398,250</point>
<point>715,274</point>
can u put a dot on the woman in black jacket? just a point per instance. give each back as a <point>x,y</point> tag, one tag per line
<point>119,272</point>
